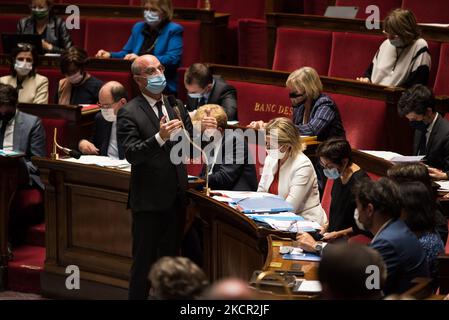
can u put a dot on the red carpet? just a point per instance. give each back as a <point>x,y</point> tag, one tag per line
<point>25,269</point>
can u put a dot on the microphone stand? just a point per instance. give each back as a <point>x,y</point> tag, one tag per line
<point>55,156</point>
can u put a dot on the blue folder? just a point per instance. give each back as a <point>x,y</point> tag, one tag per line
<point>263,204</point>
<point>302,257</point>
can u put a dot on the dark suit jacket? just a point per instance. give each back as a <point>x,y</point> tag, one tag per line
<point>56,33</point>
<point>403,255</point>
<point>102,135</point>
<point>29,139</point>
<point>155,179</point>
<point>234,169</point>
<point>437,154</point>
<point>222,94</point>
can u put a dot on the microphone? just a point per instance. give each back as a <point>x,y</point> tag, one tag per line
<point>55,156</point>
<point>174,104</point>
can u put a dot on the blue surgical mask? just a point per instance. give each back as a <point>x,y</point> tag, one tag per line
<point>398,43</point>
<point>195,95</point>
<point>151,18</point>
<point>156,84</point>
<point>332,173</point>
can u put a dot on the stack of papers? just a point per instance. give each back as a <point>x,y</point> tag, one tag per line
<point>444,185</point>
<point>8,153</point>
<point>308,286</point>
<point>286,221</point>
<point>393,156</point>
<point>100,161</point>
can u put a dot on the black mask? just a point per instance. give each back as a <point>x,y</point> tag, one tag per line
<point>419,125</point>
<point>7,116</point>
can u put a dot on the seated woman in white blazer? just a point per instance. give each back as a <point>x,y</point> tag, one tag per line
<point>289,173</point>
<point>32,87</point>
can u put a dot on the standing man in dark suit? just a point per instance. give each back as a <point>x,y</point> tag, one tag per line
<point>112,97</point>
<point>230,164</point>
<point>417,104</point>
<point>157,187</point>
<point>204,88</point>
<point>21,132</point>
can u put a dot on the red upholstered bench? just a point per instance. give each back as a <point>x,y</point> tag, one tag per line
<point>102,2</point>
<point>344,45</point>
<point>192,42</point>
<point>296,48</point>
<point>364,121</point>
<point>79,35</point>
<point>8,24</point>
<point>315,7</point>
<point>258,153</point>
<point>261,101</point>
<point>49,126</point>
<point>53,75</point>
<point>125,78</point>
<point>433,11</point>
<point>385,6</point>
<point>110,34</point>
<point>252,41</point>
<point>441,86</point>
<point>435,49</point>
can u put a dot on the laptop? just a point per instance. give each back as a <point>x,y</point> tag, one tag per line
<point>11,40</point>
<point>346,12</point>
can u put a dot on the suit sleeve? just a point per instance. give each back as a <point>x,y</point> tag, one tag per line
<point>446,156</point>
<point>41,96</point>
<point>298,190</point>
<point>136,149</point>
<point>229,102</point>
<point>172,57</point>
<point>389,255</point>
<point>37,140</point>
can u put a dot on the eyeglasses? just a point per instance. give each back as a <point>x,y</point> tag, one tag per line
<point>106,105</point>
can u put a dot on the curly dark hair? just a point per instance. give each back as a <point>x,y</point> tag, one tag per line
<point>416,99</point>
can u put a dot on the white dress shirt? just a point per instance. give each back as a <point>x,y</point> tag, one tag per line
<point>113,147</point>
<point>430,128</point>
<point>8,141</point>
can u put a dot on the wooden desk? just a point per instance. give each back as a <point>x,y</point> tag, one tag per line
<point>10,168</point>
<point>79,121</point>
<point>213,24</point>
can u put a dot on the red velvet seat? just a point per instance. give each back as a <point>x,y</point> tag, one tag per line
<point>359,48</point>
<point>110,34</point>
<point>182,92</point>
<point>192,42</point>
<point>49,126</point>
<point>327,197</point>
<point>261,101</point>
<point>8,24</point>
<point>315,7</point>
<point>252,43</point>
<point>296,48</point>
<point>102,2</point>
<point>385,6</point>
<point>125,78</point>
<point>364,121</point>
<point>185,3</point>
<point>435,49</point>
<point>79,35</point>
<point>441,86</point>
<point>53,75</point>
<point>430,11</point>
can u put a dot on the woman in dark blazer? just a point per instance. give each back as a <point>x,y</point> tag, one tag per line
<point>52,29</point>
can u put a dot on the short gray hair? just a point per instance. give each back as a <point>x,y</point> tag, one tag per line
<point>136,69</point>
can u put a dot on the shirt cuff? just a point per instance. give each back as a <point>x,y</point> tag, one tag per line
<point>159,139</point>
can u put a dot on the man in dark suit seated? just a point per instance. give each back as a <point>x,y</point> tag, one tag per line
<point>21,132</point>
<point>431,140</point>
<point>204,88</point>
<point>112,97</point>
<point>230,165</point>
<point>158,183</point>
<point>378,211</point>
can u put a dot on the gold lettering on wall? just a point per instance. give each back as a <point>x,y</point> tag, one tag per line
<point>275,109</point>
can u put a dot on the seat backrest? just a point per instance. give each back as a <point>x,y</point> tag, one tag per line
<point>252,38</point>
<point>441,86</point>
<point>296,48</point>
<point>434,49</point>
<point>327,197</point>
<point>261,101</point>
<point>191,42</point>
<point>8,24</point>
<point>101,2</point>
<point>125,78</point>
<point>49,126</point>
<point>79,35</point>
<point>110,34</point>
<point>240,9</point>
<point>345,45</point>
<point>53,75</point>
<point>315,7</point>
<point>385,6</point>
<point>364,121</point>
<point>258,154</point>
<point>430,11</point>
<point>185,3</point>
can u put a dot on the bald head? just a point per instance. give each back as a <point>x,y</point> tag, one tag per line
<point>113,94</point>
<point>146,67</point>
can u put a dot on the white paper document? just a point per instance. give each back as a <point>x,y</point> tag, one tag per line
<point>308,286</point>
<point>238,195</point>
<point>100,161</point>
<point>292,226</point>
<point>393,156</point>
<point>444,185</point>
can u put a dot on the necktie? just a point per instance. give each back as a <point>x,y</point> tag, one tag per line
<point>422,147</point>
<point>201,101</point>
<point>2,133</point>
<point>160,114</point>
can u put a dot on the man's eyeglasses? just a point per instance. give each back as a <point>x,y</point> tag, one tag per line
<point>106,105</point>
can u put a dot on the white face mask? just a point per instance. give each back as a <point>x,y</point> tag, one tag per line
<point>276,154</point>
<point>23,68</point>
<point>357,221</point>
<point>75,78</point>
<point>108,114</point>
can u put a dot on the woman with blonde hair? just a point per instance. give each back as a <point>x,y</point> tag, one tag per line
<point>314,113</point>
<point>158,36</point>
<point>403,59</point>
<point>289,173</point>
